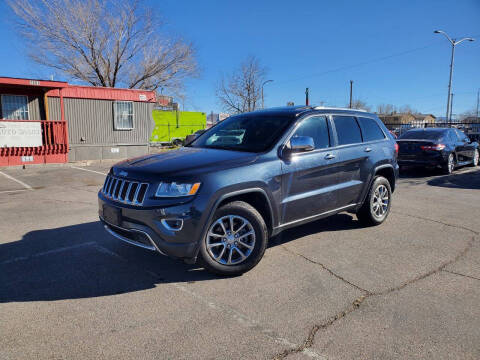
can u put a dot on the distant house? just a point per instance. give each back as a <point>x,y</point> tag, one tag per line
<point>396,120</point>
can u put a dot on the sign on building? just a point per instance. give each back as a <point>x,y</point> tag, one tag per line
<point>20,134</point>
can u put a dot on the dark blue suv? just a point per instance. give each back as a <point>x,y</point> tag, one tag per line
<point>222,196</point>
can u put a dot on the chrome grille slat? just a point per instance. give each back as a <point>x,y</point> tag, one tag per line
<point>136,194</point>
<point>123,190</point>
<point>120,191</point>
<point>125,200</point>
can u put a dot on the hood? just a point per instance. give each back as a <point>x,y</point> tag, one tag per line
<point>184,162</point>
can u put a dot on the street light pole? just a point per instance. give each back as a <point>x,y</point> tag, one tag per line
<point>265,82</point>
<point>454,42</point>
<point>351,93</point>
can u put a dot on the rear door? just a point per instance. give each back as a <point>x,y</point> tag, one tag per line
<point>353,168</point>
<point>309,178</point>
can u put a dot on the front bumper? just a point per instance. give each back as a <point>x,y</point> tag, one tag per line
<point>143,227</point>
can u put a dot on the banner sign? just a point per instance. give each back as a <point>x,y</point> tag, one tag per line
<point>20,134</point>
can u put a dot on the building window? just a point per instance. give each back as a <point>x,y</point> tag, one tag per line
<point>15,107</point>
<point>123,115</point>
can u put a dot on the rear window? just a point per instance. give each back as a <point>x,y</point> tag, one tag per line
<point>423,135</point>
<point>348,131</point>
<point>370,130</point>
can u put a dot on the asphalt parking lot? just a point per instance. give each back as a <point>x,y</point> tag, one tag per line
<point>409,288</point>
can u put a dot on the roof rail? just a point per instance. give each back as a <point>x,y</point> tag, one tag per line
<point>336,108</point>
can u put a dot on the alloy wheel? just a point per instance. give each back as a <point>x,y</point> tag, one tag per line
<point>230,240</point>
<point>380,201</point>
<point>451,163</point>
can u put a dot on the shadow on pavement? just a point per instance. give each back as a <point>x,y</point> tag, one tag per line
<point>468,180</point>
<point>83,261</point>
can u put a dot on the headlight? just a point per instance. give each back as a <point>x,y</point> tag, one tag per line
<point>173,189</point>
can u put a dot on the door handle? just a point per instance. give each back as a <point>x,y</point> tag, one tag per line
<point>329,156</point>
<point>368,149</point>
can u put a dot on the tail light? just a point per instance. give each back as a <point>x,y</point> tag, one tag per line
<point>436,147</point>
<point>396,148</point>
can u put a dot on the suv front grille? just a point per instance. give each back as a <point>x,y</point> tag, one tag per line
<point>124,190</point>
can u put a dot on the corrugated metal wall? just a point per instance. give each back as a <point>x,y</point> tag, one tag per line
<point>54,112</point>
<point>93,121</point>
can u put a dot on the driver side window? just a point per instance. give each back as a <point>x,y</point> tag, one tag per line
<point>315,127</point>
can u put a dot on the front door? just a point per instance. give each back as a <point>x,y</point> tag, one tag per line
<point>464,149</point>
<point>309,178</point>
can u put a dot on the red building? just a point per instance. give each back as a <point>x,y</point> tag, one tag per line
<point>45,121</point>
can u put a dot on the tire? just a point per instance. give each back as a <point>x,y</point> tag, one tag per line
<point>248,238</point>
<point>475,160</point>
<point>450,165</point>
<point>371,215</point>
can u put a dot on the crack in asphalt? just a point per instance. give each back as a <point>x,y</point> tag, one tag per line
<point>325,268</point>
<point>359,300</point>
<point>460,274</point>
<point>437,221</point>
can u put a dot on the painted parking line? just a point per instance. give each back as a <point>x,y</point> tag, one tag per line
<point>49,252</point>
<point>12,191</point>
<point>93,171</point>
<point>26,186</point>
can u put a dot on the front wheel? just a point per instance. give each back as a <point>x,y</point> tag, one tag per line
<point>475,158</point>
<point>376,206</point>
<point>235,241</point>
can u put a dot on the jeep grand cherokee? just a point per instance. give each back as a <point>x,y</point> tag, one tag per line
<point>221,197</point>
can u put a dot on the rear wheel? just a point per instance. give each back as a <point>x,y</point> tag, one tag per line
<point>376,206</point>
<point>235,241</point>
<point>475,158</point>
<point>450,165</point>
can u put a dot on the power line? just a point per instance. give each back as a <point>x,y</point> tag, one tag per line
<point>357,64</point>
<point>375,60</point>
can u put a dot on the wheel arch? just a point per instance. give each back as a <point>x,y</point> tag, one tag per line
<point>387,172</point>
<point>255,197</point>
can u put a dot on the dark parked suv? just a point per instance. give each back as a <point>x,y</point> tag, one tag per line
<point>221,197</point>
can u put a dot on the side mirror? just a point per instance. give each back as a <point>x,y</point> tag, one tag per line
<point>299,144</point>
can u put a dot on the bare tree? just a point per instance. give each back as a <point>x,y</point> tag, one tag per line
<point>407,109</point>
<point>104,43</point>
<point>242,90</point>
<point>359,104</point>
<point>386,109</point>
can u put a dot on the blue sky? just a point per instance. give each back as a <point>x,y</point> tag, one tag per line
<point>387,47</point>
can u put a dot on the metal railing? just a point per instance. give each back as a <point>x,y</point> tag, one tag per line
<point>54,146</point>
<point>472,130</point>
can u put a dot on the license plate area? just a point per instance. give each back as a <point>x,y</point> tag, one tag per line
<point>112,215</point>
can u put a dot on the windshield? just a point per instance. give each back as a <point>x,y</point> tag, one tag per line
<point>251,133</point>
<point>423,135</point>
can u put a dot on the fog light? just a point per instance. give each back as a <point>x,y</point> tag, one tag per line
<point>172,224</point>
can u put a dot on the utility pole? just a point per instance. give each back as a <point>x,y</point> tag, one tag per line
<point>451,106</point>
<point>265,82</point>
<point>306,96</point>
<point>454,43</point>
<point>351,93</point>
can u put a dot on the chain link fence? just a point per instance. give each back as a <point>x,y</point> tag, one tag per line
<point>472,130</point>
